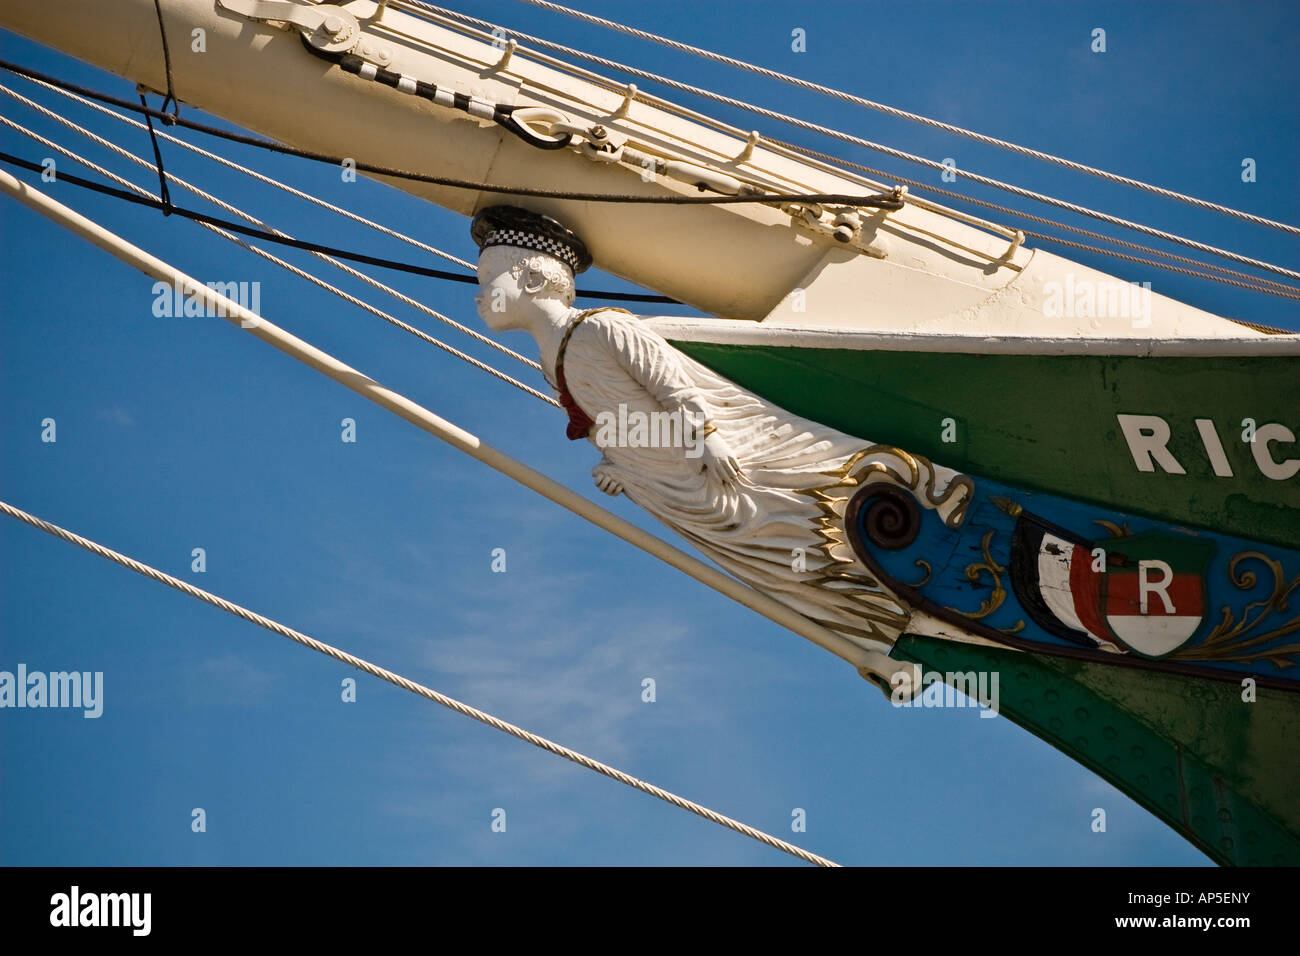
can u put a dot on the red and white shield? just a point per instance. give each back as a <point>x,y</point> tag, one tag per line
<point>1153,592</point>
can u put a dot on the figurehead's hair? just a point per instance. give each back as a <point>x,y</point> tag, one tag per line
<point>540,273</point>
<point>513,226</point>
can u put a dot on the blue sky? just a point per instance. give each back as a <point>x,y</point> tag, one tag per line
<point>175,434</point>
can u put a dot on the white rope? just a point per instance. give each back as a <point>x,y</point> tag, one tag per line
<point>915,117</point>
<point>1255,283</point>
<point>260,177</point>
<point>868,144</point>
<point>301,273</point>
<point>375,283</point>
<point>419,689</point>
<point>831,163</point>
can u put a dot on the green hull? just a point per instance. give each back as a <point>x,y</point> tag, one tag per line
<point>1221,772</point>
<point>1050,422</point>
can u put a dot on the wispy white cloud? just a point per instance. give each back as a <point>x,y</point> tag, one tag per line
<point>117,415</point>
<point>239,683</point>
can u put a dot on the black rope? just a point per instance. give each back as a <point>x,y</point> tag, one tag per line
<point>168,118</point>
<point>167,64</point>
<point>256,233</point>
<point>880,201</point>
<point>163,194</point>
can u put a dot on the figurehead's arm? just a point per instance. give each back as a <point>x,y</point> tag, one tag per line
<point>658,368</point>
<point>654,364</point>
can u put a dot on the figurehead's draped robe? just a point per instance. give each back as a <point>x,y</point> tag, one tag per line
<point>769,529</point>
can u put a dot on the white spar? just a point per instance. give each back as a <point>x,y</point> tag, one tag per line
<point>919,269</point>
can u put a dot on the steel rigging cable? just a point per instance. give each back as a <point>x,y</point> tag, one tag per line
<point>876,200</point>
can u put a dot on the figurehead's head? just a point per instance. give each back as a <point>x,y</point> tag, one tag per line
<point>524,257</point>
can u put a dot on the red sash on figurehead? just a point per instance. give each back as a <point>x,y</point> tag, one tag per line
<point>580,423</point>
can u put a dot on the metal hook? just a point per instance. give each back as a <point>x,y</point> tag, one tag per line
<point>519,121</point>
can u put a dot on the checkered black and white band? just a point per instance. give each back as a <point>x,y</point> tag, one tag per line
<point>529,240</point>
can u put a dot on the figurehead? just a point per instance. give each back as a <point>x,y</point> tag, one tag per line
<point>526,268</point>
